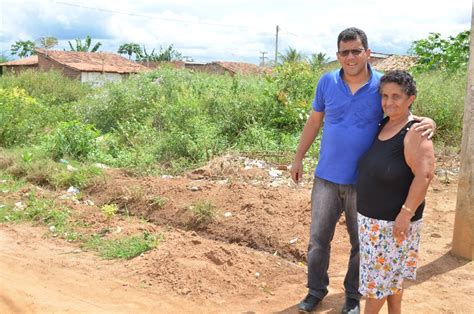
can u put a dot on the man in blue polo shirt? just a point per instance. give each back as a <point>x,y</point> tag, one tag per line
<point>349,102</point>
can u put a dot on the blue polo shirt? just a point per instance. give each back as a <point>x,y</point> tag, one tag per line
<point>350,124</point>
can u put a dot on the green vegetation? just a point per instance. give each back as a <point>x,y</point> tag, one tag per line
<point>171,120</point>
<point>39,210</point>
<point>437,53</point>
<point>202,213</point>
<point>123,248</point>
<point>109,210</point>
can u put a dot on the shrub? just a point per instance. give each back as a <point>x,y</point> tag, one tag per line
<point>20,117</point>
<point>73,139</point>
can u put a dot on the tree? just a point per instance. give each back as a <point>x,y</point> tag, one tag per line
<point>23,48</point>
<point>48,42</point>
<point>435,52</point>
<point>291,56</point>
<point>79,46</point>
<point>167,54</point>
<point>318,59</point>
<point>3,58</point>
<point>129,49</point>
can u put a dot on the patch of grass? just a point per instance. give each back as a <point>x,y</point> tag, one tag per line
<point>202,212</point>
<point>109,210</point>
<point>9,183</point>
<point>124,248</point>
<point>159,201</point>
<point>41,211</point>
<point>35,167</point>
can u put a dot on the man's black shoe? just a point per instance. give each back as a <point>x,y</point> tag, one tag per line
<point>309,303</point>
<point>352,306</point>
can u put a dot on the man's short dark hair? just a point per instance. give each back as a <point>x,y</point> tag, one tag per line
<point>402,78</point>
<point>352,33</point>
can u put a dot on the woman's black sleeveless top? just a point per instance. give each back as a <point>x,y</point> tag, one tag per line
<point>385,178</point>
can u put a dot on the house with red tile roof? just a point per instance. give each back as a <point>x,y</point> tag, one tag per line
<point>231,68</point>
<point>92,67</point>
<point>17,66</point>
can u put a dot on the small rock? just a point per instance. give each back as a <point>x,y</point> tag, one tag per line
<point>257,275</point>
<point>196,242</point>
<point>293,241</point>
<point>435,235</point>
<point>89,203</point>
<point>185,291</point>
<point>195,188</point>
<point>52,228</point>
<point>118,230</point>
<point>228,214</point>
<point>166,176</point>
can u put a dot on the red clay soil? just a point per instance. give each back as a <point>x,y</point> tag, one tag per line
<point>249,258</point>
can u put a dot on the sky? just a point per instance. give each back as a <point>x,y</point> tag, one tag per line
<point>219,30</point>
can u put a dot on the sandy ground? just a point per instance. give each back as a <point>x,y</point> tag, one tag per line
<point>250,259</point>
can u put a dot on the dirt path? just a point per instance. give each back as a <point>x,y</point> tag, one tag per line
<point>249,261</point>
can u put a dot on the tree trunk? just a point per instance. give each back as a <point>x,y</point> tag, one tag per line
<point>463,236</point>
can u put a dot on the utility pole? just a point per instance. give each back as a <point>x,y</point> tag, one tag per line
<point>262,58</point>
<point>276,45</point>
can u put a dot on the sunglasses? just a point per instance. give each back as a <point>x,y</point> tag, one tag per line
<point>355,52</point>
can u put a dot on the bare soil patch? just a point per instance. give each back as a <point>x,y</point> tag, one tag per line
<point>249,258</point>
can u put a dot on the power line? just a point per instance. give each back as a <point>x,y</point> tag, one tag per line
<point>149,16</point>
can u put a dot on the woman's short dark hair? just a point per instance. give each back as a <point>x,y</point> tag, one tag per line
<point>402,78</point>
<point>352,33</point>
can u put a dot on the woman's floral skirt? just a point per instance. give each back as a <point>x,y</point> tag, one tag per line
<point>385,263</point>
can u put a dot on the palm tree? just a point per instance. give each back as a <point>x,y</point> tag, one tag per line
<point>130,48</point>
<point>291,56</point>
<point>85,47</point>
<point>318,59</point>
<point>23,48</point>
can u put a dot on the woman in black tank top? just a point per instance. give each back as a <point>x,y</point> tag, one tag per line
<point>393,179</point>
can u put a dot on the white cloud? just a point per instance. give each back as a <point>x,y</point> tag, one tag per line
<point>209,29</point>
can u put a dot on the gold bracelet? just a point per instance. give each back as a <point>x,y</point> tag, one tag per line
<point>408,209</point>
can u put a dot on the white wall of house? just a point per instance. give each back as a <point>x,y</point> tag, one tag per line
<point>98,78</point>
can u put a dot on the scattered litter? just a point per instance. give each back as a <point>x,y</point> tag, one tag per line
<point>3,181</point>
<point>228,214</point>
<point>118,230</point>
<point>166,176</point>
<point>274,173</point>
<point>71,168</point>
<point>276,253</point>
<point>195,188</point>
<point>52,228</point>
<point>64,161</point>
<point>73,190</point>
<point>89,203</point>
<point>100,166</point>
<point>20,206</point>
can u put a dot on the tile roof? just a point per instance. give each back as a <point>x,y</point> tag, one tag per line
<point>395,62</point>
<point>31,60</point>
<point>93,61</point>
<point>242,67</point>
